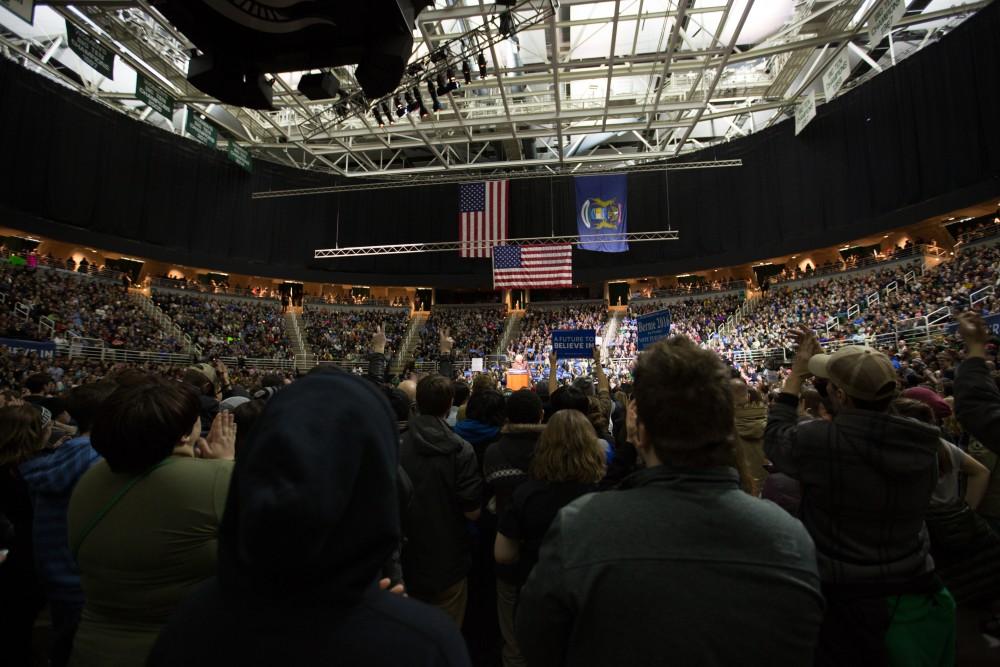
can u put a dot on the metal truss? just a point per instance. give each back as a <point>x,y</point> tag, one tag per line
<point>415,181</point>
<point>593,85</point>
<point>445,246</point>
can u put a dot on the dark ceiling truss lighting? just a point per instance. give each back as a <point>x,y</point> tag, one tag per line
<point>456,54</point>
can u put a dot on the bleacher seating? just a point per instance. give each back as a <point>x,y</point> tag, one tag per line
<point>346,334</point>
<point>225,327</point>
<point>476,330</point>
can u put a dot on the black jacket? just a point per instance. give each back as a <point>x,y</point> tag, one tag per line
<point>867,479</point>
<point>311,516</point>
<point>679,567</point>
<point>977,402</point>
<point>446,483</point>
<point>506,462</point>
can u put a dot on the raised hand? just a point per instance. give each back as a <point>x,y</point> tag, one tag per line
<point>808,346</point>
<point>378,340</point>
<point>220,443</point>
<point>445,341</point>
<point>972,329</point>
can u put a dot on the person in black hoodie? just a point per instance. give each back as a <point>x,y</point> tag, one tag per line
<point>311,516</point>
<point>447,491</point>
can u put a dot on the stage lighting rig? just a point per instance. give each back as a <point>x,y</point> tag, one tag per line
<point>466,72</point>
<point>482,65</point>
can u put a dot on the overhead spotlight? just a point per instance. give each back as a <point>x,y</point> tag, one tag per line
<point>385,111</point>
<point>452,84</point>
<point>378,117</point>
<point>506,23</point>
<point>440,55</point>
<point>342,110</point>
<point>414,68</point>
<point>466,72</point>
<point>435,102</point>
<point>400,107</point>
<point>411,104</point>
<point>442,87</point>
<point>482,66</point>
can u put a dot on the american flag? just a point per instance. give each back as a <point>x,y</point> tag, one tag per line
<point>533,266</point>
<point>483,217</point>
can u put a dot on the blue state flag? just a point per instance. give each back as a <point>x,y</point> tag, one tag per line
<point>601,203</point>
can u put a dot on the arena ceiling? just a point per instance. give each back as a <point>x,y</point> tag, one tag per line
<point>578,85</point>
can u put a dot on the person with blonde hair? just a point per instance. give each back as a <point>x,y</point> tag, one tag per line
<point>568,463</point>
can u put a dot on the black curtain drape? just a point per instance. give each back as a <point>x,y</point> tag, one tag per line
<point>916,141</point>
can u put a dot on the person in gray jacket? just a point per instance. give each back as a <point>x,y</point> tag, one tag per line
<point>977,399</point>
<point>678,566</point>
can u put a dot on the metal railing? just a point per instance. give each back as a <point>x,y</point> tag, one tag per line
<point>983,232</point>
<point>215,290</point>
<point>46,325</point>
<point>981,295</point>
<point>912,252</point>
<point>695,288</point>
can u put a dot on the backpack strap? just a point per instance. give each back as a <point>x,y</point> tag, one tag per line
<point>103,512</point>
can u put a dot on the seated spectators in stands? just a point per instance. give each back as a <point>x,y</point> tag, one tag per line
<point>716,552</point>
<point>867,479</point>
<point>344,334</point>
<point>142,551</point>
<point>476,330</point>
<point>300,551</point>
<point>229,327</point>
<point>447,492</point>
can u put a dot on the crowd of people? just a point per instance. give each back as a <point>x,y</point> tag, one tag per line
<point>228,327</point>
<point>76,307</point>
<point>169,516</point>
<point>535,339</point>
<point>344,334</point>
<point>476,329</point>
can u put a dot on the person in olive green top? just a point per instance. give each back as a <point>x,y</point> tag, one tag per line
<point>143,522</point>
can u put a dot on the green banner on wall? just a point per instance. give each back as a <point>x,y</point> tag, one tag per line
<point>240,155</point>
<point>201,130</point>
<point>91,51</point>
<point>154,97</point>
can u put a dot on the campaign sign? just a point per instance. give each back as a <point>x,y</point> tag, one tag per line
<point>45,349</point>
<point>573,343</point>
<point>992,326</point>
<point>652,327</point>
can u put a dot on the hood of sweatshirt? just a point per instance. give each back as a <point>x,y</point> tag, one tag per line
<point>476,431</point>
<point>751,421</point>
<point>312,512</point>
<point>432,435</point>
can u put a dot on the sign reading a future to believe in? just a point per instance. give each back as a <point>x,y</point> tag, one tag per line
<point>24,9</point>
<point>651,328</point>
<point>91,51</point>
<point>240,155</point>
<point>155,97</point>
<point>573,343</point>
<point>201,130</point>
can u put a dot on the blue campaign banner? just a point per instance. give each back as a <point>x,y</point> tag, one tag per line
<point>601,203</point>
<point>651,328</point>
<point>573,343</point>
<point>45,349</point>
<point>992,325</point>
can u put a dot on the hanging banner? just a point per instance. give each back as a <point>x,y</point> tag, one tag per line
<point>200,130</point>
<point>805,111</point>
<point>651,328</point>
<point>23,9</point>
<point>992,326</point>
<point>154,97</point>
<point>91,51</point>
<point>836,74</point>
<point>882,20</point>
<point>45,349</point>
<point>239,155</point>
<point>601,203</point>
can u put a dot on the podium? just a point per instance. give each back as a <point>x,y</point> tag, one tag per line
<point>518,380</point>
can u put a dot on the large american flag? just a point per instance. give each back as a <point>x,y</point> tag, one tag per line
<point>483,218</point>
<point>533,266</point>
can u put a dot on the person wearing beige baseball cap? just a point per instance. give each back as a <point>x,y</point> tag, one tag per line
<point>867,477</point>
